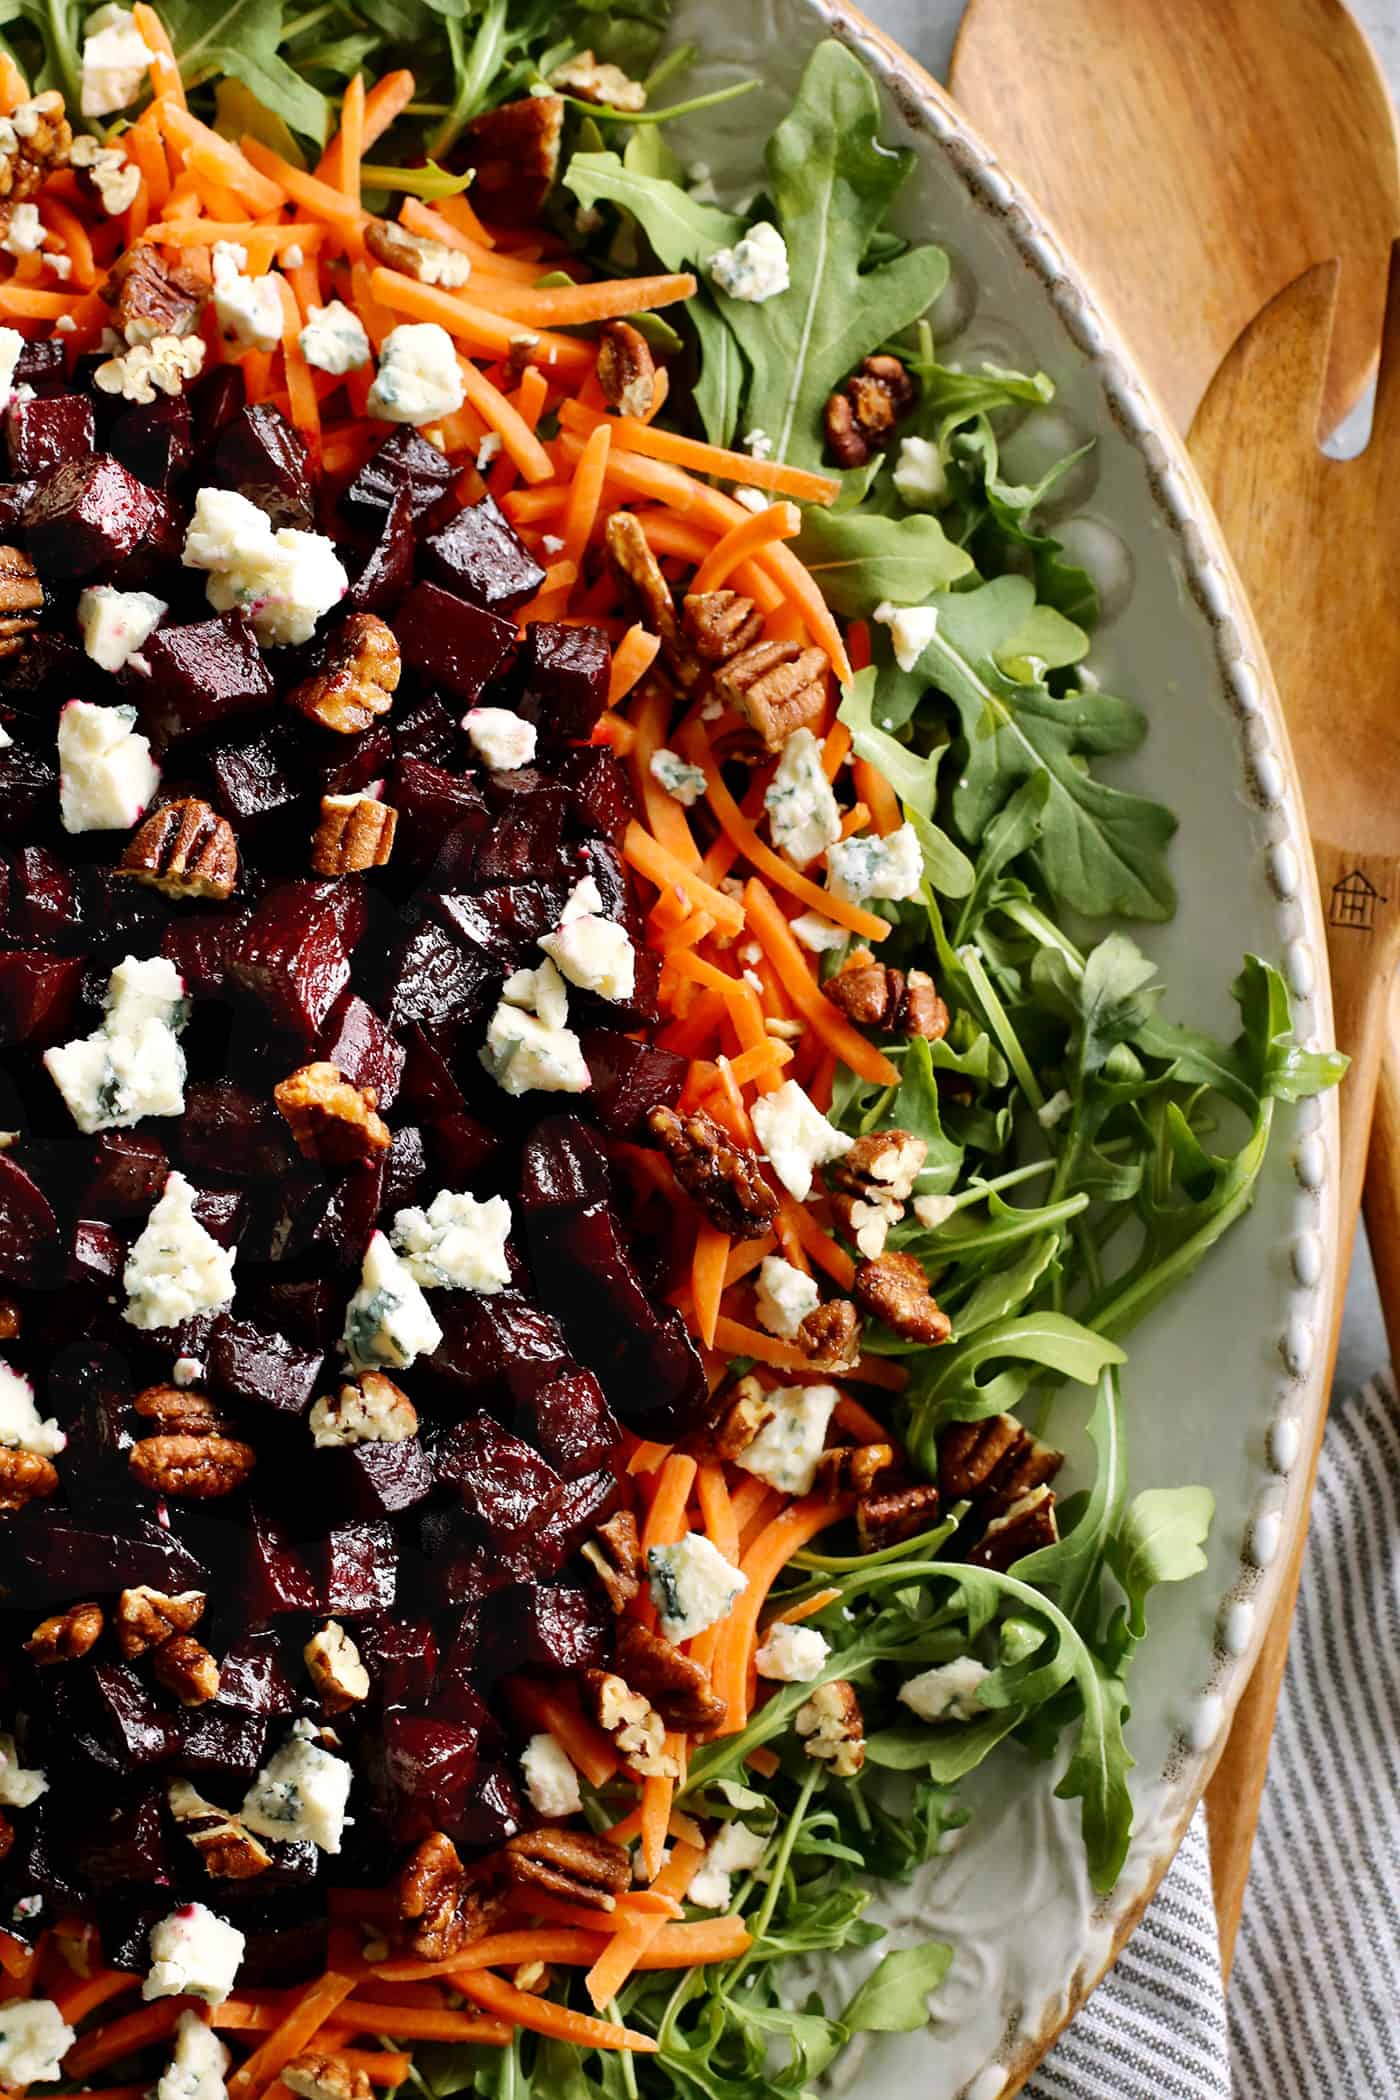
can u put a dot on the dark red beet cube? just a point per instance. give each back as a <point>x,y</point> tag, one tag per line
<point>227,1129</point>
<point>437,810</point>
<point>563,1166</point>
<point>435,979</point>
<point>561,1629</point>
<point>222,1213</point>
<point>28,1227</point>
<point>406,1171</point>
<point>349,1209</point>
<point>251,1677</point>
<point>355,762</point>
<point>564,679</point>
<point>277,1576</point>
<point>497,1344</point>
<point>91,518</point>
<point>203,676</point>
<point>155,440</point>
<point>263,1369</point>
<point>43,897</point>
<point>403,461</point>
<point>43,364</point>
<point>128,1716</point>
<point>462,1148</point>
<point>260,455</point>
<point>388,570</point>
<point>428,731</point>
<point>629,1079</point>
<point>491,1811</point>
<point>452,644</point>
<point>41,434</point>
<point>28,792</point>
<point>375,1480</point>
<point>251,785</point>
<point>500,1480</point>
<point>401,1657</point>
<point>96,1258</point>
<point>430,1765</point>
<point>38,994</point>
<point>525,842</point>
<point>359,1568</point>
<point>199,944</point>
<point>215,399</point>
<point>505,917</point>
<point>357,1041</point>
<point>129,1169</point>
<point>570,1420</point>
<point>574,1510</point>
<point>121,1840</point>
<point>481,557</point>
<point>291,957</point>
<point>310,1311</point>
<point>222,1744</point>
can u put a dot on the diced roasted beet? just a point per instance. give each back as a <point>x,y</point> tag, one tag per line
<point>452,644</point>
<point>354,763</point>
<point>526,841</point>
<point>291,957</point>
<point>426,730</point>
<point>501,1344</point>
<point>438,812</point>
<point>456,1695</point>
<point>349,1208</point>
<point>561,1628</point>
<point>227,1129</point>
<point>38,994</point>
<point>42,364</point>
<point>406,1171</point>
<point>358,1568</point>
<point>221,1743</point>
<point>91,518</point>
<point>93,1463</point>
<point>127,1718</point>
<point>401,1656</point>
<point>404,461</point>
<point>575,1510</point>
<point>62,1556</point>
<point>509,915</point>
<point>28,792</point>
<point>501,1481</point>
<point>222,1212</point>
<point>457,1570</point>
<point>28,1227</point>
<point>15,498</point>
<point>120,1840</point>
<point>570,1420</point>
<point>462,1149</point>
<point>563,1166</point>
<point>199,944</point>
<point>388,569</point>
<point>348,906</point>
<point>356,1040</point>
<point>262,1368</point>
<point>251,1677</point>
<point>277,1577</point>
<point>629,1079</point>
<point>564,679</point>
<point>481,557</point>
<point>96,1258</point>
<point>374,1480</point>
<point>491,1811</point>
<point>43,898</point>
<point>434,979</point>
<point>430,1765</point>
<point>215,399</point>
<point>600,858</point>
<point>428,1088</point>
<point>202,677</point>
<point>129,1168</point>
<point>310,1311</point>
<point>40,434</point>
<point>155,440</point>
<point>251,784</point>
<point>260,455</point>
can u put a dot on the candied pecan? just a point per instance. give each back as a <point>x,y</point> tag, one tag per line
<point>637,1733</point>
<point>25,1477</point>
<point>615,1555</point>
<point>639,574</point>
<point>146,1617</point>
<point>893,1515</point>
<point>867,992</point>
<point>192,1468</point>
<point>834,1727</point>
<point>331,1120</point>
<point>921,1011</point>
<point>777,687</point>
<point>829,1337</point>
<point>371,1410</point>
<point>319,2077</point>
<point>227,1851</point>
<point>590,79</point>
<point>7,1837</point>
<point>427,260</point>
<point>179,1410</point>
<point>720,624</point>
<point>66,1636</point>
<point>533,1977</point>
<point>358,678</point>
<point>10,1320</point>
<point>720,1179</point>
<point>332,1658</point>
<point>871,1184</point>
<point>515,152</point>
<point>861,415</point>
<point>187,1670</point>
<point>895,1289</point>
<point>21,601</point>
<point>442,1905</point>
<point>857,1469</point>
<point>34,139</point>
<point>993,1462</point>
<point>569,1863</point>
<point>151,297</point>
<point>626,369</point>
<point>678,1688</point>
<point>355,832</point>
<point>747,1411</point>
<point>1027,1525</point>
<point>184,849</point>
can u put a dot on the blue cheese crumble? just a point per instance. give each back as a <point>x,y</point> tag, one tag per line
<point>194,1954</point>
<point>755,268</point>
<point>786,1449</point>
<point>106,775</point>
<point>684,782</point>
<point>132,1066</point>
<point>334,339</point>
<point>784,1296</point>
<point>457,1243</point>
<point>20,1785</point>
<point>796,1137</point>
<point>388,1322</point>
<point>34,2039</point>
<point>735,1851</point>
<point>528,1048</point>
<point>176,1269</point>
<point>791,1654</point>
<point>22,1428</point>
<point>301,1793</point>
<point>284,580</point>
<point>692,1585</point>
<point>803,819</point>
<point>116,625</point>
<point>948,1693</point>
<point>867,866</point>
<point>197,2064</point>
<point>550,1779</point>
<point>419,379</point>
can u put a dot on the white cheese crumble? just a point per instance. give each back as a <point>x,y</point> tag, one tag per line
<point>686,783</point>
<point>20,1785</point>
<point>115,624</point>
<point>786,1449</point>
<point>918,474</point>
<point>11,343</point>
<point>433,261</point>
<point>550,1778</point>
<point>248,309</point>
<point>132,1066</point>
<point>334,339</point>
<point>734,1851</point>
<point>1055,1109</point>
<point>749,499</point>
<point>583,898</point>
<point>692,1585</point>
<point>948,1693</point>
<point>803,819</point>
<point>419,378</point>
<point>176,1269</point>
<point>106,775</point>
<point>912,628</point>
<point>488,450</point>
<point>755,268</point>
<point>161,365</point>
<point>285,579</point>
<point>528,1049</point>
<point>188,1370</point>
<point>302,1793</point>
<point>194,1954</point>
<point>934,1211</point>
<point>21,1426</point>
<point>501,739</point>
<point>594,953</point>
<point>116,60</point>
<point>197,2065</point>
<point>457,1243</point>
<point>784,1297</point>
<point>542,992</point>
<point>34,2039</point>
<point>791,1654</point>
<point>818,935</point>
<point>388,1322</point>
<point>26,232</point>
<point>867,866</point>
<point>796,1137</point>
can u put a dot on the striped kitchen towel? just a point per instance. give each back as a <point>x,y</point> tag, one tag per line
<point>1314,2006</point>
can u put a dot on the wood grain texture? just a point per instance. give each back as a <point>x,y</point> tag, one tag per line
<point>1382,1195</point>
<point>1196,156</point>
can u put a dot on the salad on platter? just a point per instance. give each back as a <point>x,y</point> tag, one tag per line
<point>581,1126</point>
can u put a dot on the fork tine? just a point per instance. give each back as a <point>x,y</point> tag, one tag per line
<point>1385,425</point>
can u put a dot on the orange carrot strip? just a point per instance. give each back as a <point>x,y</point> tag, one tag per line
<point>301,390</point>
<point>14,88</point>
<point>380,2066</point>
<point>872,787</point>
<point>734,1339</point>
<point>302,2022</point>
<point>625,1949</point>
<point>718,1509</point>
<point>764,1560</point>
<point>119,2038</point>
<point>27,305</point>
<point>586,493</point>
<point>746,1500</point>
<point>707,1278</point>
<point>769,1507</point>
<point>666,1519</point>
<point>766,1057</point>
<point>415,2023</point>
<point>543,2016</point>
<point>318,198</point>
<point>166,83</point>
<point>679,1946</point>
<point>205,152</point>
<point>634,656</point>
<point>480,330</point>
<point>86,1993</point>
<point>202,233</point>
<point>756,530</point>
<point>517,437</point>
<point>823,1249</point>
<point>547,1708</point>
<point>763,1761</point>
<point>796,1613</point>
<point>352,139</point>
<point>651,859</point>
<point>658,1792</point>
<point>666,819</point>
<point>383,105</point>
<point>700,458</point>
<point>772,932</point>
<point>461,214</point>
<point>421,218</point>
<point>579,305</point>
<point>835,749</point>
<point>647,1457</point>
<point>858,1422</point>
<point>71,231</point>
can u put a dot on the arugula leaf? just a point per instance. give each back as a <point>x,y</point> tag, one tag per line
<point>680,231</point>
<point>1097,1775</point>
<point>950,1387</point>
<point>243,38</point>
<point>861,558</point>
<point>1159,1540</point>
<point>1071,1566</point>
<point>894,1998</point>
<point>944,1754</point>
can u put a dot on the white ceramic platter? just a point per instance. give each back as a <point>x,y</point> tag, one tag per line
<point>1224,1384</point>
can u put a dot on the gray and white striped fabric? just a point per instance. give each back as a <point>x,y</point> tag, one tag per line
<point>1314,2006</point>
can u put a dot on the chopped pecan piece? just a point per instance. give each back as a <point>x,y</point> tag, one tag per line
<point>777,687</point>
<point>187,1670</point>
<point>895,1289</point>
<point>748,1410</point>
<point>191,1468</point>
<point>834,1727</point>
<point>638,1734</point>
<point>319,2077</point>
<point>722,1181</point>
<point>595,80</point>
<point>427,260</point>
<point>21,601</point>
<point>639,573</point>
<point>857,1469</point>
<point>569,1863</point>
<point>331,1120</point>
<point>1024,1528</point>
<point>227,1851</point>
<point>34,139</point>
<point>615,1555</point>
<point>874,995</point>
<point>184,849</point>
<point>358,678</point>
<point>515,151</point>
<point>872,1183</point>
<point>678,1688</point>
<point>861,415</point>
<point>150,297</point>
<point>442,1905</point>
<point>993,1462</point>
<point>340,1678</point>
<point>179,1410</point>
<point>66,1636</point>
<point>371,1410</point>
<point>25,1477</point>
<point>829,1338</point>
<point>893,1515</point>
<point>626,369</point>
<point>146,1617</point>
<point>355,832</point>
<point>922,1012</point>
<point>720,625</point>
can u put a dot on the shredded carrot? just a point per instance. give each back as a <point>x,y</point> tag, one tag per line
<point>763,1761</point>
<point>301,2024</point>
<point>699,458</point>
<point>205,152</point>
<point>352,139</point>
<point>543,2016</point>
<point>747,1499</point>
<point>586,493</point>
<point>625,1949</point>
<point>666,818</point>
<point>666,1518</point>
<point>551,1709</point>
<point>166,83</point>
<point>301,390</point>
<point>83,1996</point>
<point>658,1792</point>
<point>796,1613</point>
<point>648,1457</point>
<point>381,2066</point>
<point>758,529</point>
<point>118,2038</point>
<point>632,659</point>
<point>772,932</point>
<point>763,1561</point>
<point>717,1508</point>
<point>417,2023</point>
<point>517,437</point>
<point>643,853</point>
<point>874,789</point>
<point>383,105</point>
<point>14,88</point>
<point>474,325</point>
<point>27,305</point>
<point>314,196</point>
<point>580,305</point>
<point>707,1278</point>
<point>735,1339</point>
